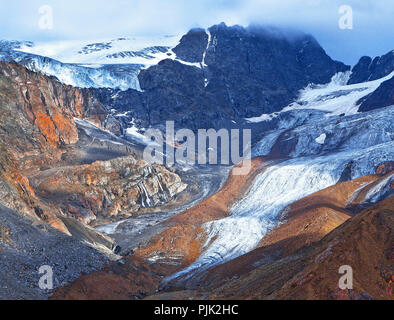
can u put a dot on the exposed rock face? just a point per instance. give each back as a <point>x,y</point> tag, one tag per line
<point>382,97</point>
<point>36,123</point>
<point>37,114</point>
<point>27,244</point>
<point>347,173</point>
<point>239,73</point>
<point>37,127</point>
<point>192,46</point>
<point>265,60</point>
<point>120,186</point>
<point>367,69</point>
<point>360,71</point>
<point>48,175</point>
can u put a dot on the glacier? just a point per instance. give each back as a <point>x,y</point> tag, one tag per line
<point>124,50</point>
<point>106,63</point>
<point>364,139</point>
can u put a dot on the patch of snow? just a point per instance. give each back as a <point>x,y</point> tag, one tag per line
<point>206,49</point>
<point>171,55</point>
<point>109,228</point>
<point>133,50</point>
<point>133,133</point>
<point>124,114</point>
<point>190,64</point>
<point>108,76</point>
<point>263,117</point>
<point>379,189</point>
<point>321,139</point>
<point>336,97</point>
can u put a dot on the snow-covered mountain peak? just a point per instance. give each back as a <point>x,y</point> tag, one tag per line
<point>132,50</point>
<point>108,63</point>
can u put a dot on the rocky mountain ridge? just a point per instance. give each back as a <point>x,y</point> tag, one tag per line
<point>37,130</point>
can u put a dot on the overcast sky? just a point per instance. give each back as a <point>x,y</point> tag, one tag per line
<point>372,32</point>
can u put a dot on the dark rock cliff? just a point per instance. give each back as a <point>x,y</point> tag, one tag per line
<point>368,69</point>
<point>236,73</point>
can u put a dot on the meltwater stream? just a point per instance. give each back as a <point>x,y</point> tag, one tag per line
<point>274,189</point>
